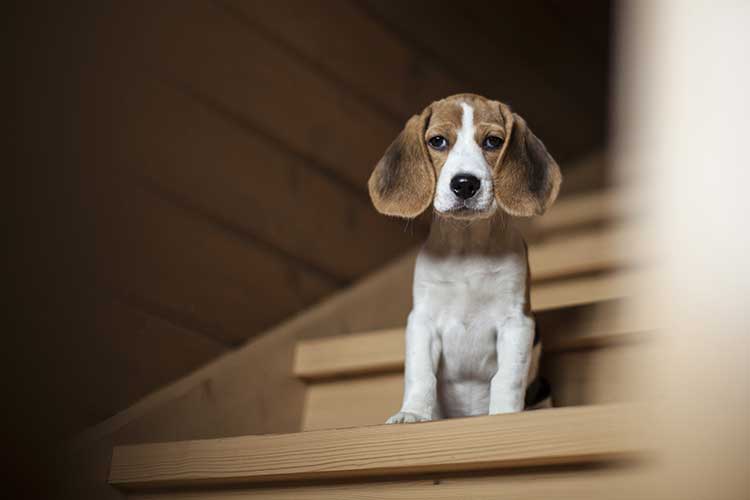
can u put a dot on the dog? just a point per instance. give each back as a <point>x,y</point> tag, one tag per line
<point>471,343</point>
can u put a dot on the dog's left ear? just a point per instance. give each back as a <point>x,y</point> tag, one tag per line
<point>403,181</point>
<point>526,178</point>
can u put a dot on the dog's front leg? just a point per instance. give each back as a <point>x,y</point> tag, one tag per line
<point>514,345</point>
<point>420,382</point>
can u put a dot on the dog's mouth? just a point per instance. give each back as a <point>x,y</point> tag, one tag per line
<point>467,212</point>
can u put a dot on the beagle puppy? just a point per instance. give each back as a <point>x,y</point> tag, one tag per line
<point>470,337</point>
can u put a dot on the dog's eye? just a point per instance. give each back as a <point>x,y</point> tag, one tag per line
<point>438,142</point>
<point>492,142</point>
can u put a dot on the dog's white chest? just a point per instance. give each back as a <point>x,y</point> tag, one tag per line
<point>468,300</point>
<point>466,314</point>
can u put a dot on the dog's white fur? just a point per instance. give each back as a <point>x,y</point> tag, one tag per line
<point>469,335</point>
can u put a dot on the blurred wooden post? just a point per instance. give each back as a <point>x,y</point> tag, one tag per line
<point>681,134</point>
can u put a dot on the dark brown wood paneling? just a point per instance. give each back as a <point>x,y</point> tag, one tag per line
<point>190,270</point>
<point>215,56</point>
<point>492,57</point>
<point>193,153</point>
<point>126,353</point>
<point>532,36</point>
<point>343,41</point>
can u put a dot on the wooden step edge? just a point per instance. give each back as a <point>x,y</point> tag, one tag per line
<point>585,289</point>
<point>382,351</point>
<point>590,251</point>
<point>558,436</point>
<point>584,209</point>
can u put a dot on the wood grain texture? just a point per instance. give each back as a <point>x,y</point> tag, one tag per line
<point>353,354</point>
<point>232,67</point>
<point>188,270</point>
<point>334,35</point>
<point>353,402</point>
<point>148,130</point>
<point>588,251</point>
<point>595,375</point>
<point>584,290</point>
<point>559,436</point>
<point>579,483</point>
<point>588,326</point>
<point>583,213</point>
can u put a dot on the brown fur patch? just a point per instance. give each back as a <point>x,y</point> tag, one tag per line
<point>527,179</point>
<point>403,181</point>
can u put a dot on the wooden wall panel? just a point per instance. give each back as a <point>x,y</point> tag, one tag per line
<point>205,50</point>
<point>128,353</point>
<point>190,270</point>
<point>353,47</point>
<point>490,52</point>
<point>144,128</point>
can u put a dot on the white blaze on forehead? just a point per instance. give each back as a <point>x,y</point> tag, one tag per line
<point>465,158</point>
<point>466,133</point>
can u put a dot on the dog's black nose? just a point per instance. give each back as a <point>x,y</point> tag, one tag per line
<point>465,186</point>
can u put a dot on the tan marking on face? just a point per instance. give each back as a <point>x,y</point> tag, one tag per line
<point>446,121</point>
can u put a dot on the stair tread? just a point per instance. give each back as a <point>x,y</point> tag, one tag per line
<point>557,436</point>
<point>383,350</point>
<point>582,210</point>
<point>580,252</point>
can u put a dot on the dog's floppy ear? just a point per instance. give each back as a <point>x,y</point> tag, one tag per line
<point>403,181</point>
<point>526,177</point>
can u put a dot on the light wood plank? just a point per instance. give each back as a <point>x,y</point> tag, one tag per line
<point>580,210</point>
<point>354,354</point>
<point>559,436</point>
<point>353,402</point>
<point>596,375</point>
<point>584,290</point>
<point>582,252</point>
<point>588,326</point>
<point>595,483</point>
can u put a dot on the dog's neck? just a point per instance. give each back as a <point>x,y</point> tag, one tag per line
<point>450,236</point>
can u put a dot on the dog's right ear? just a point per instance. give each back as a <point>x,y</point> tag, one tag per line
<point>403,181</point>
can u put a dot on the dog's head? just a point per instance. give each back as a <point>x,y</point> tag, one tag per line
<point>468,156</point>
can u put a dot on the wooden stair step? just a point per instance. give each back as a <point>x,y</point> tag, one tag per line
<point>592,321</point>
<point>550,437</point>
<point>584,289</point>
<point>620,481</point>
<point>577,253</point>
<point>581,210</point>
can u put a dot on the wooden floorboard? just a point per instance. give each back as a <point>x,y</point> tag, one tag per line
<point>579,483</point>
<point>559,436</point>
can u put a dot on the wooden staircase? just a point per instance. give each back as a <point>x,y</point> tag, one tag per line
<point>588,446</point>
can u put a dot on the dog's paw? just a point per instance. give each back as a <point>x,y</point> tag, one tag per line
<point>406,417</point>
